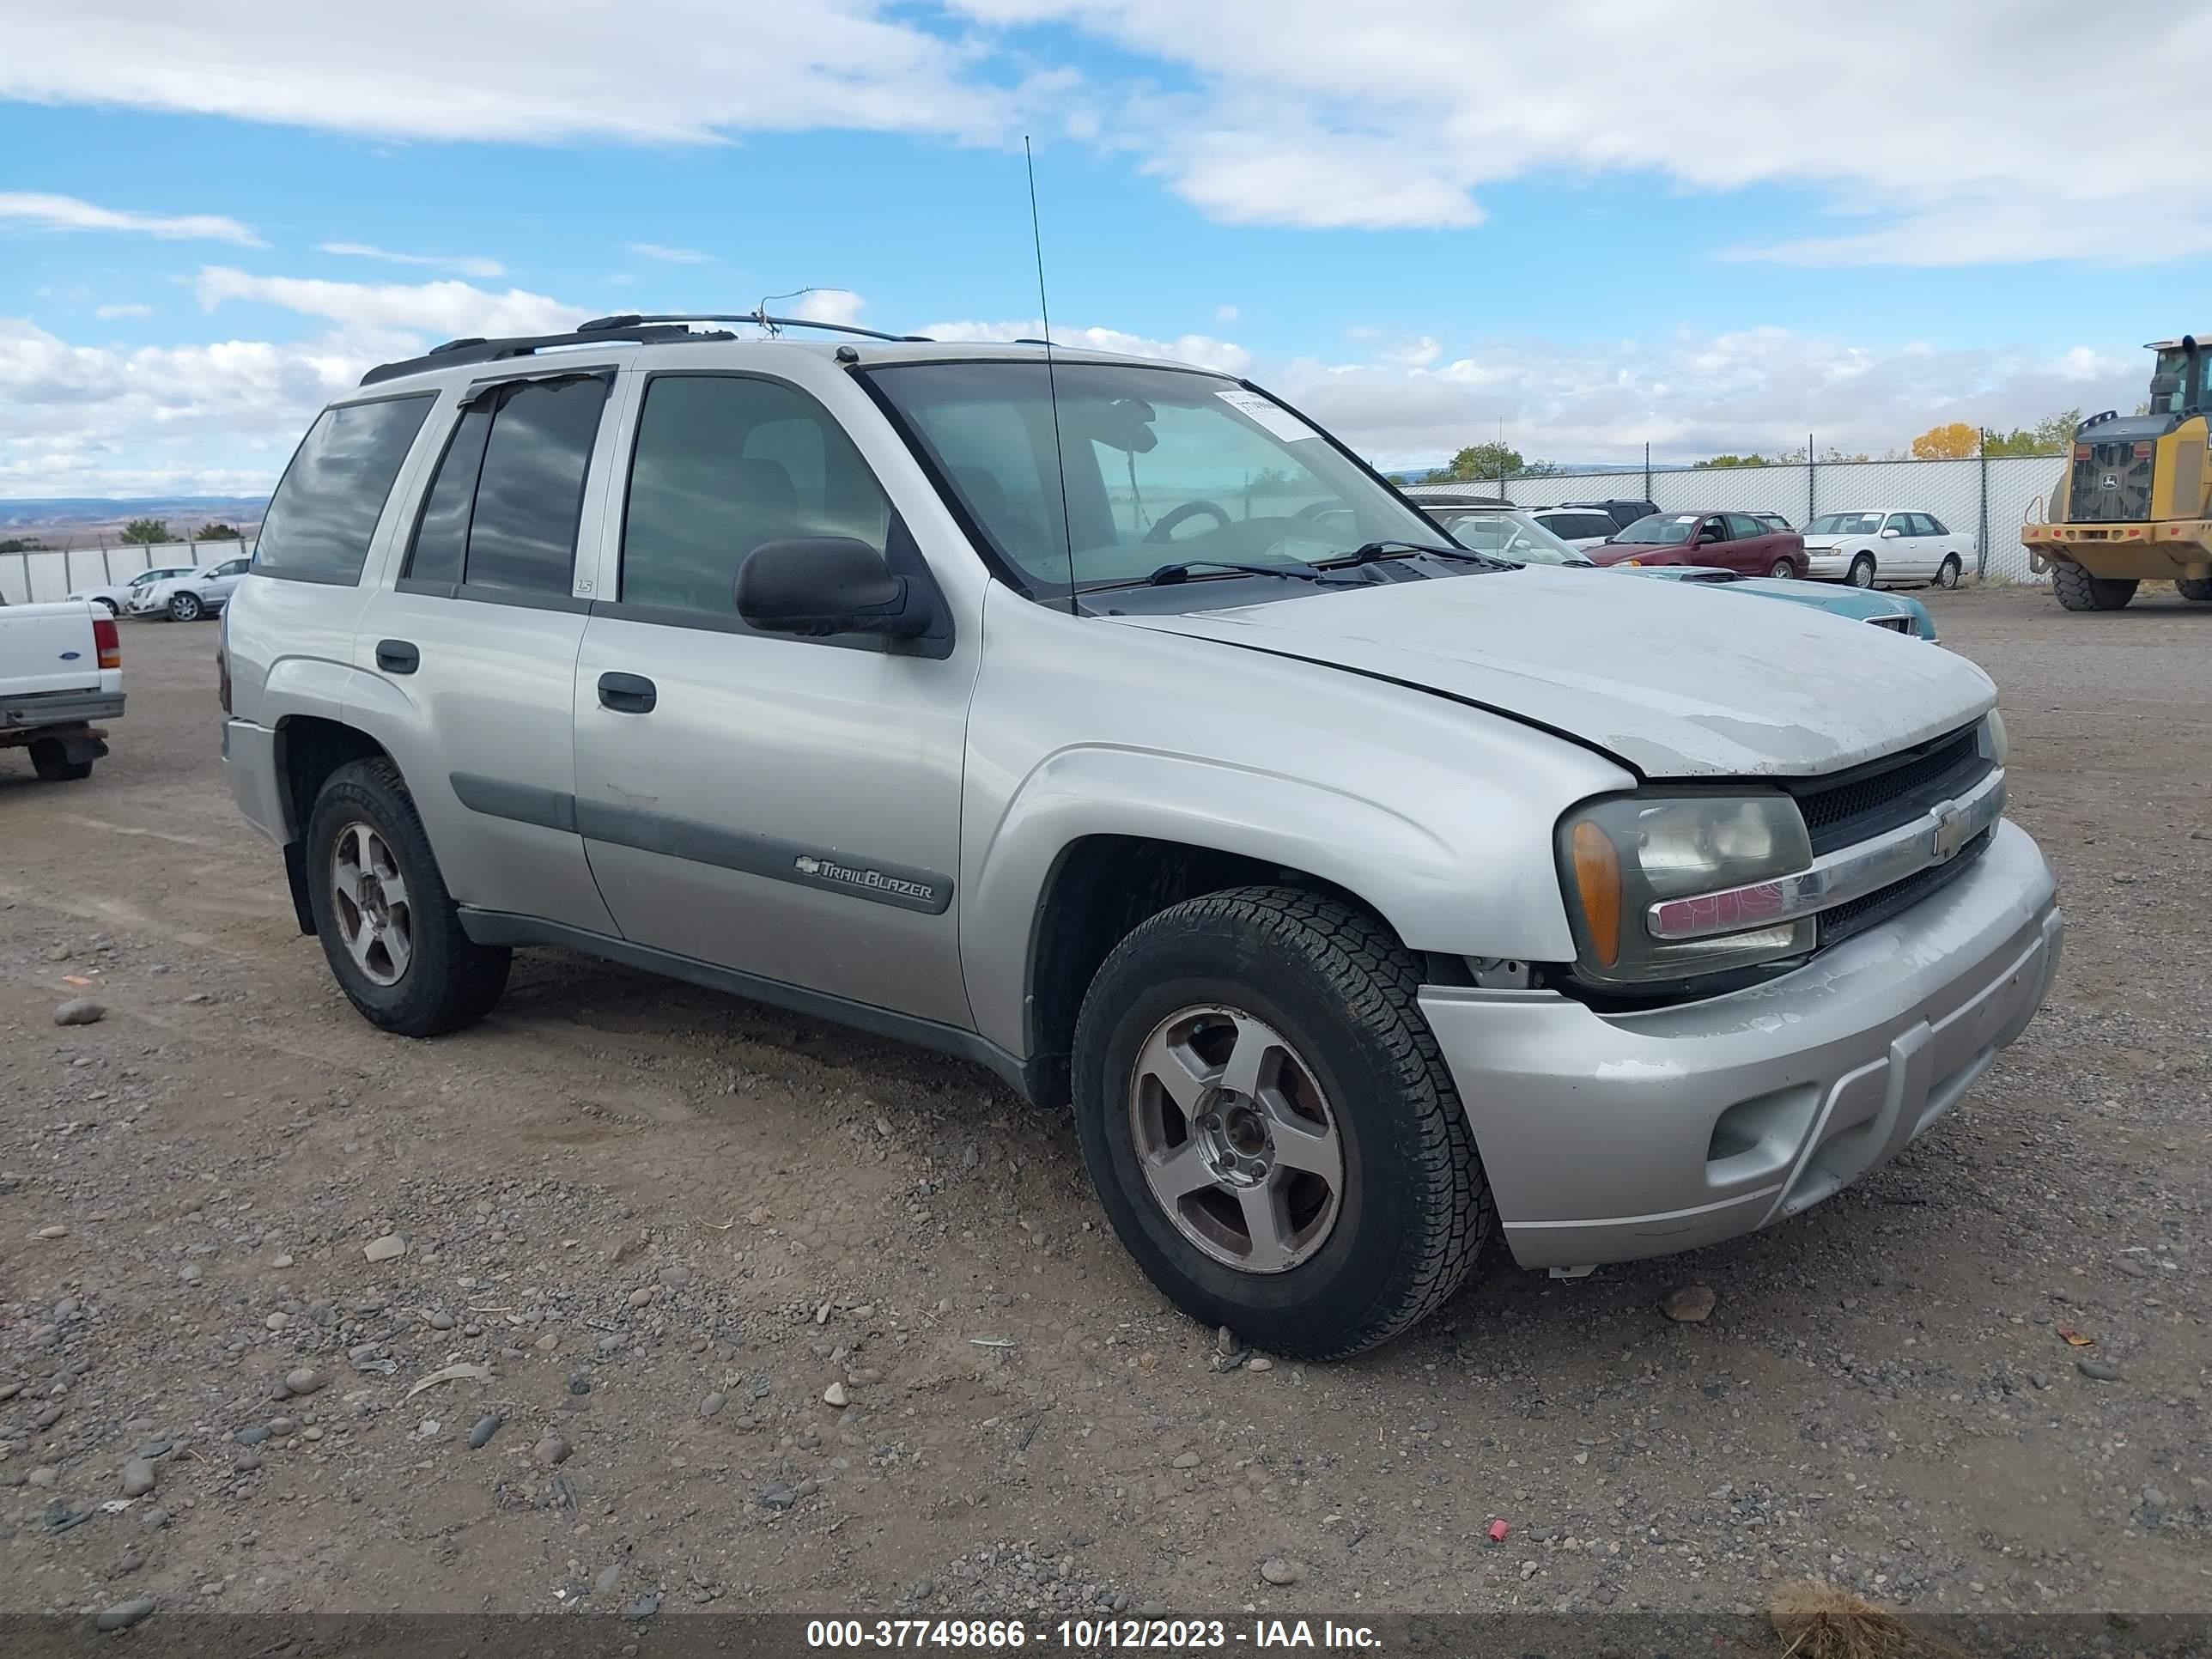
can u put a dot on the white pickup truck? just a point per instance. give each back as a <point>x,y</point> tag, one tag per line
<point>61,672</point>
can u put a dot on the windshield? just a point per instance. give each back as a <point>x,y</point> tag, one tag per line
<point>1505,536</point>
<point>1662,529</point>
<point>1844,524</point>
<point>1161,466</point>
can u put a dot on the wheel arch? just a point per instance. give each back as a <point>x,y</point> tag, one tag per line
<point>309,749</point>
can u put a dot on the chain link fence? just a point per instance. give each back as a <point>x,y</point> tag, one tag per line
<point>1986,498</point>
<point>42,575</point>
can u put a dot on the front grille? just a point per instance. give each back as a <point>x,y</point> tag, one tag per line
<point>1895,624</point>
<point>2127,501</point>
<point>1858,805</point>
<point>1878,907</point>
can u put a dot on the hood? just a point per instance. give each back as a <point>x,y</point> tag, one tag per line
<point>1821,544</point>
<point>1676,680</point>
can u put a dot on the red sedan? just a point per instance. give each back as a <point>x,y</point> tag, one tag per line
<point>1725,541</point>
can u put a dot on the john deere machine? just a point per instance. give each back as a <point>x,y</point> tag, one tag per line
<point>2135,504</point>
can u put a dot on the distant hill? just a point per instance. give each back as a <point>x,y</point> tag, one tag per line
<point>87,520</point>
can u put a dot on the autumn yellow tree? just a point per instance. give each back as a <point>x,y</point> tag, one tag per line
<point>1954,442</point>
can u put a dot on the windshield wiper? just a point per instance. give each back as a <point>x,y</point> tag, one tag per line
<point>1369,552</point>
<point>1180,573</point>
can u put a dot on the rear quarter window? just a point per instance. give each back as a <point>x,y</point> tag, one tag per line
<point>327,505</point>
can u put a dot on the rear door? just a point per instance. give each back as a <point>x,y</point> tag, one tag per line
<point>1935,544</point>
<point>1758,546</point>
<point>475,645</point>
<point>224,580</point>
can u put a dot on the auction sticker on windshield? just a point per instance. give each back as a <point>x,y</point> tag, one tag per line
<point>1273,416</point>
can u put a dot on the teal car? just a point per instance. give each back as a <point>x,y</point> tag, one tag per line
<point>1511,533</point>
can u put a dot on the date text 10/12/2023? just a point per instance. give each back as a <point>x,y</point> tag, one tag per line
<point>1087,1635</point>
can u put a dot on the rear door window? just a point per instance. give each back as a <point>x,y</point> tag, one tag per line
<point>1742,527</point>
<point>325,512</point>
<point>499,520</point>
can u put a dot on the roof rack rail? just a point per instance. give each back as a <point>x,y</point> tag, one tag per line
<point>475,349</point>
<point>661,330</point>
<point>758,319</point>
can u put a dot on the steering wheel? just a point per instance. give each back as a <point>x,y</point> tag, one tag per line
<point>1165,526</point>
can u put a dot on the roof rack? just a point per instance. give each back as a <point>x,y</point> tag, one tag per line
<point>629,327</point>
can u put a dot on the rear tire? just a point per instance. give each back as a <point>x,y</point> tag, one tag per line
<point>1343,1052</point>
<point>2077,589</point>
<point>50,761</point>
<point>2198,588</point>
<point>1948,572</point>
<point>114,610</point>
<point>1783,571</point>
<point>439,979</point>
<point>1861,574</point>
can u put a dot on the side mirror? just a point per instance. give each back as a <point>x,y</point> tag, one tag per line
<point>1891,533</point>
<point>819,585</point>
<point>1708,534</point>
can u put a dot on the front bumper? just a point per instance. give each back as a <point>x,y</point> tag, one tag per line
<point>1826,563</point>
<point>1613,1137</point>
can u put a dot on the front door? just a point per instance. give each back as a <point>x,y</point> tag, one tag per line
<point>787,808</point>
<point>471,656</point>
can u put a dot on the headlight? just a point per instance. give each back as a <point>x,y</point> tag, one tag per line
<point>1989,739</point>
<point>1619,858</point>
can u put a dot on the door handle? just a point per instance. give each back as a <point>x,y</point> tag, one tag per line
<point>397,657</point>
<point>628,694</point>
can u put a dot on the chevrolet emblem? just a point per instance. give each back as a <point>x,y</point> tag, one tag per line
<point>1952,830</point>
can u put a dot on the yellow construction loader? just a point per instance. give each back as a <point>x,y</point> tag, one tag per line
<point>2135,504</point>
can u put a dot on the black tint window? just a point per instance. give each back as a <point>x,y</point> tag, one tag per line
<point>1741,528</point>
<point>530,487</point>
<point>319,521</point>
<point>723,464</point>
<point>441,536</point>
<point>1928,526</point>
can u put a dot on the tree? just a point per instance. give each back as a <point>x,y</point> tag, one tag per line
<point>1735,460</point>
<point>216,533</point>
<point>1951,442</point>
<point>2051,436</point>
<point>148,531</point>
<point>1477,462</point>
<point>22,544</point>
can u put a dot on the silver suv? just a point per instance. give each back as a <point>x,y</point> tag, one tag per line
<point>1105,722</point>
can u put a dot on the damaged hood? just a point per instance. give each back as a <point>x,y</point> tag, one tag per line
<point>1675,681</point>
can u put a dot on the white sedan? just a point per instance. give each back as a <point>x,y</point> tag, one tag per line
<point>1864,549</point>
<point>194,594</point>
<point>117,599</point>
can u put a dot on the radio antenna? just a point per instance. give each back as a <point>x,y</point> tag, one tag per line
<point>1051,380</point>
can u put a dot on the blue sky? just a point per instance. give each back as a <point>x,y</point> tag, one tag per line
<point>1422,221</point>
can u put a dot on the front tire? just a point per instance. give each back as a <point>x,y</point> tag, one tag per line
<point>2198,588</point>
<point>389,928</point>
<point>183,607</point>
<point>1270,1126</point>
<point>1862,571</point>
<point>2077,589</point>
<point>1948,572</point>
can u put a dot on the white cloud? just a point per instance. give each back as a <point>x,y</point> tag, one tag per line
<point>465,265</point>
<point>1688,397</point>
<point>1202,350</point>
<point>114,314</point>
<point>68,213</point>
<point>661,71</point>
<point>674,256</point>
<point>1224,313</point>
<point>452,309</point>
<point>827,305</point>
<point>216,417</point>
<point>1931,126</point>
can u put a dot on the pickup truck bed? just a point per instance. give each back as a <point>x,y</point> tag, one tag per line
<point>60,669</point>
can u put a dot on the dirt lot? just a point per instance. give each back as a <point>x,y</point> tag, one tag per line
<point>668,1222</point>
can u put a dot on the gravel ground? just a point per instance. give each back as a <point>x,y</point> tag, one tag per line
<point>637,1297</point>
